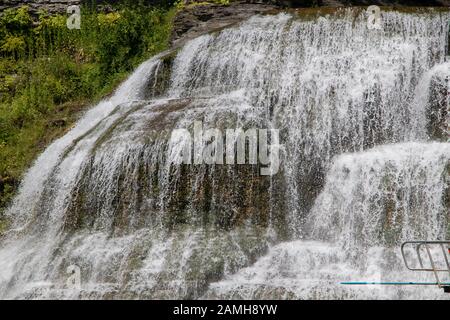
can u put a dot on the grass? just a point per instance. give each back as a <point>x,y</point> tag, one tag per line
<point>48,73</point>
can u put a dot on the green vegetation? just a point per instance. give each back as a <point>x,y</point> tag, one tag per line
<point>48,73</point>
<point>181,4</point>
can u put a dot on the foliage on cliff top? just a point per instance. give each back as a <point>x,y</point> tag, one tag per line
<point>48,73</point>
<point>182,4</point>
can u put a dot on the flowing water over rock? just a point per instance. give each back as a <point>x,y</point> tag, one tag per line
<point>364,165</point>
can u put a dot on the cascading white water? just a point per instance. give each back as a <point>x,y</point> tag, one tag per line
<point>26,215</point>
<point>387,195</point>
<point>108,198</point>
<point>371,202</point>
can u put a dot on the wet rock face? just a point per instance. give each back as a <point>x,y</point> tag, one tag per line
<point>195,20</point>
<point>438,109</point>
<point>148,228</point>
<point>142,188</point>
<point>419,3</point>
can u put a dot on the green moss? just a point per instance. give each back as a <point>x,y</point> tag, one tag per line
<point>3,226</point>
<point>181,5</point>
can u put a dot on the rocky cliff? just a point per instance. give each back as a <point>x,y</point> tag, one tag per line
<point>54,6</point>
<point>198,18</point>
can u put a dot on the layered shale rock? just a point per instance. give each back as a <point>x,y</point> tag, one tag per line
<point>51,6</point>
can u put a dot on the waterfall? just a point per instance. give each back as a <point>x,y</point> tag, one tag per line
<point>365,163</point>
<point>384,196</point>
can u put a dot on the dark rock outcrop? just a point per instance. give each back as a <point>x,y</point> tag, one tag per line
<point>51,6</point>
<point>438,109</point>
<point>332,3</point>
<point>236,10</point>
<point>195,20</point>
<point>198,18</point>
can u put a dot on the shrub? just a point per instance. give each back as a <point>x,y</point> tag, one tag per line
<point>14,45</point>
<point>48,72</point>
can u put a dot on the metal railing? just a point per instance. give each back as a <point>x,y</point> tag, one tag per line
<point>433,267</point>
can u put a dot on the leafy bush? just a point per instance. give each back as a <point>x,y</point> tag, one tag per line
<point>48,73</point>
<point>13,45</point>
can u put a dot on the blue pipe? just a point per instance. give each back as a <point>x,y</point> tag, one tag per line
<point>396,283</point>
